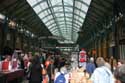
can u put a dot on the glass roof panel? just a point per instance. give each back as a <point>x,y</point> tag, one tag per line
<point>84,7</point>
<point>68,14</point>
<point>53,26</point>
<point>67,9</point>
<point>50,22</point>
<point>62,17</point>
<point>58,8</point>
<point>56,2</point>
<point>78,22</point>
<point>44,5</point>
<point>68,2</point>
<point>37,9</point>
<point>78,4</point>
<point>32,2</point>
<point>54,29</point>
<point>59,14</point>
<point>87,1</point>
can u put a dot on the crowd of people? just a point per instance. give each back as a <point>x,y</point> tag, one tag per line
<point>100,70</point>
<point>50,68</point>
<point>38,66</point>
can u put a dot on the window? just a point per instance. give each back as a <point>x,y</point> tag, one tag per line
<point>59,16</point>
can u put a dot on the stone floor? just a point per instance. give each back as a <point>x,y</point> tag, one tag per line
<point>25,81</point>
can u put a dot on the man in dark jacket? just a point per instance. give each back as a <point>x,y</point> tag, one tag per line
<point>35,72</point>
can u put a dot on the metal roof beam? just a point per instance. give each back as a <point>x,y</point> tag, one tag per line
<point>102,8</point>
<point>61,6</point>
<point>38,3</point>
<point>73,19</point>
<point>69,22</point>
<point>83,2</point>
<point>57,4</point>
<point>26,15</point>
<point>55,30</point>
<point>98,8</point>
<point>62,12</point>
<point>104,4</point>
<point>97,13</point>
<point>24,8</point>
<point>54,17</point>
<point>11,5</point>
<point>63,24</point>
<point>60,17</point>
<point>110,1</point>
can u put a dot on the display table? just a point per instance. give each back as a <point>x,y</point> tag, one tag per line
<point>2,78</point>
<point>12,76</point>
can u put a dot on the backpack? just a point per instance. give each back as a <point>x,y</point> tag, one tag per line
<point>60,79</point>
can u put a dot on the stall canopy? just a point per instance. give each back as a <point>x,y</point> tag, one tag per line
<point>63,18</point>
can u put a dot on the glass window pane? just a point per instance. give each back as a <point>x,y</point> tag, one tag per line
<point>82,14</point>
<point>44,20</point>
<point>78,26</point>
<point>32,2</point>
<point>45,13</point>
<point>81,20</point>
<point>60,19</point>
<point>54,28</point>
<point>78,22</point>
<point>59,14</point>
<point>68,14</point>
<point>76,12</point>
<point>87,1</point>
<point>37,9</point>
<point>78,4</point>
<point>56,2</point>
<point>50,23</point>
<point>68,19</point>
<point>69,23</point>
<point>76,17</point>
<point>50,17</point>
<point>68,2</point>
<point>68,9</point>
<point>41,15</point>
<point>62,26</point>
<point>53,25</point>
<point>55,32</point>
<point>56,9</point>
<point>60,23</point>
<point>44,5</point>
<point>84,8</point>
<point>63,23</point>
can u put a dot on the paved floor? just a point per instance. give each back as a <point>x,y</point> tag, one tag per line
<point>25,81</point>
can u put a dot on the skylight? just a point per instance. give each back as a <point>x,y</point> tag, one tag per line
<point>62,17</point>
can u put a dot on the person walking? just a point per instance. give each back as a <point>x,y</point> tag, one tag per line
<point>102,74</point>
<point>35,72</point>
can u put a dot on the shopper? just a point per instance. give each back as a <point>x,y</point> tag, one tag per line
<point>35,72</point>
<point>120,74</point>
<point>102,74</point>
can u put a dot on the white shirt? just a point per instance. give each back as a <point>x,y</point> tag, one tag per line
<point>102,75</point>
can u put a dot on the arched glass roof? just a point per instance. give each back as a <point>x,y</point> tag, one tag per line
<point>62,17</point>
